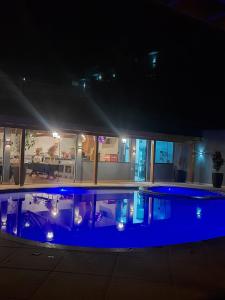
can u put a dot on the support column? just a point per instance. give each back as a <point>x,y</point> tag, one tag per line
<point>78,170</point>
<point>6,156</point>
<point>191,163</point>
<point>132,159</point>
<point>95,171</point>
<point>22,154</point>
<point>152,161</point>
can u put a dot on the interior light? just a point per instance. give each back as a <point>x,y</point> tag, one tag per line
<point>55,135</point>
<point>124,140</point>
<point>83,137</point>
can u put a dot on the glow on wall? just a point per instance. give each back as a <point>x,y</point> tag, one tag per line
<point>164,152</point>
<point>138,216</point>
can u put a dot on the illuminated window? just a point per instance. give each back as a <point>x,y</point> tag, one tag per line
<point>164,152</point>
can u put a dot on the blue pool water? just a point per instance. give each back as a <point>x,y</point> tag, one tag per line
<point>184,192</point>
<point>110,218</point>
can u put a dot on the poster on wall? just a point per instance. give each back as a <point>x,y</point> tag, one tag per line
<point>164,152</point>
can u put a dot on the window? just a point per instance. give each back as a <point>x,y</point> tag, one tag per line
<point>164,152</point>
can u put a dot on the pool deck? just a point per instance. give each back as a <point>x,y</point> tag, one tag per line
<point>188,271</point>
<point>111,184</point>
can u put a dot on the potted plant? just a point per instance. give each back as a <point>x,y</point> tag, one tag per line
<point>218,161</point>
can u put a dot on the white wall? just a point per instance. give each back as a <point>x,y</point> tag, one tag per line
<point>213,140</point>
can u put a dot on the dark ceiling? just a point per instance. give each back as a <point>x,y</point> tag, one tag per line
<point>56,43</point>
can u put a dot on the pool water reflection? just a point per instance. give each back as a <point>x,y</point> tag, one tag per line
<point>109,218</point>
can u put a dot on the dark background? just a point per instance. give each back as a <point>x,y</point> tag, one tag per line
<point>54,44</point>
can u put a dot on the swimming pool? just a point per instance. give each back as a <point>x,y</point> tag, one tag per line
<point>110,218</point>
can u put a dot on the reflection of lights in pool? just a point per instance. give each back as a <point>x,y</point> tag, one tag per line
<point>55,212</point>
<point>50,235</point>
<point>62,190</point>
<point>15,231</point>
<point>27,224</point>
<point>4,223</point>
<point>131,210</point>
<point>78,219</point>
<point>120,226</point>
<point>198,212</point>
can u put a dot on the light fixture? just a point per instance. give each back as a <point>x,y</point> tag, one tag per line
<point>55,135</point>
<point>201,153</point>
<point>124,140</point>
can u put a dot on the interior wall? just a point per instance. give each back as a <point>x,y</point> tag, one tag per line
<point>45,142</point>
<point>111,148</point>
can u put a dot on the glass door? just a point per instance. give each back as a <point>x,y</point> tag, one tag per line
<point>140,160</point>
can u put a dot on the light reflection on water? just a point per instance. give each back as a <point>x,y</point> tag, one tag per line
<point>110,218</point>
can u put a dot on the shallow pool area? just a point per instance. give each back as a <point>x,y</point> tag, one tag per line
<point>111,218</point>
<point>184,192</point>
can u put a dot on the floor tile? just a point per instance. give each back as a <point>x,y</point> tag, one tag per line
<point>6,252</point>
<point>40,259</point>
<point>129,288</point>
<point>189,266</point>
<point>153,266</point>
<point>19,284</point>
<point>72,286</point>
<point>90,263</point>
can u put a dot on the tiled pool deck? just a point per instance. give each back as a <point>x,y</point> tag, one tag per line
<point>188,271</point>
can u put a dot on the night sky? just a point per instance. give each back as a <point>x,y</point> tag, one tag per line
<point>60,43</point>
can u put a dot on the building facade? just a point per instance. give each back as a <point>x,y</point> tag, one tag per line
<point>36,156</point>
